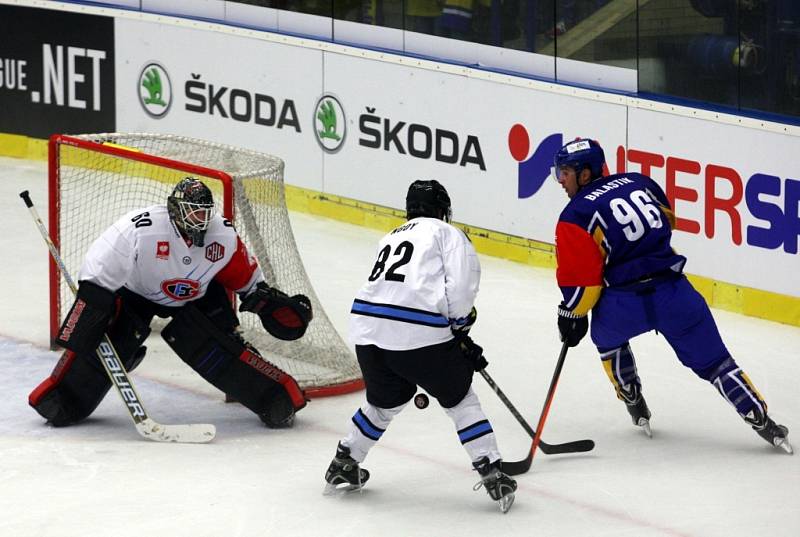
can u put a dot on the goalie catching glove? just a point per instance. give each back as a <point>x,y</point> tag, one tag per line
<point>284,317</point>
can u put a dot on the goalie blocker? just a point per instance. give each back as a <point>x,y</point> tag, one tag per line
<point>234,367</point>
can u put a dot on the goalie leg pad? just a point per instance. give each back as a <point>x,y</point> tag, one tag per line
<point>88,318</point>
<point>79,382</point>
<point>230,365</point>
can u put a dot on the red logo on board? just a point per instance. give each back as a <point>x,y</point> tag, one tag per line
<point>162,250</point>
<point>214,252</point>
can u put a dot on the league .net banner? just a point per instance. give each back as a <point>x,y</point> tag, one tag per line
<point>56,72</point>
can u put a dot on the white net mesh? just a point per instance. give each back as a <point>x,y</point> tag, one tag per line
<point>96,188</point>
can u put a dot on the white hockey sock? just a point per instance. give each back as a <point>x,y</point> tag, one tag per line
<point>474,430</point>
<point>366,427</point>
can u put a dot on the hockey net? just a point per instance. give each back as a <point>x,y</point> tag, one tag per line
<point>96,178</point>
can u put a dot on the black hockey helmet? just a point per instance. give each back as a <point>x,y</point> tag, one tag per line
<point>428,198</point>
<point>191,207</point>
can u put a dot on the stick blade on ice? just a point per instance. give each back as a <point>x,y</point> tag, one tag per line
<point>195,433</point>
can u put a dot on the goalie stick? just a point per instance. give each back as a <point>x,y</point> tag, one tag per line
<point>576,446</point>
<point>520,467</point>
<point>198,433</point>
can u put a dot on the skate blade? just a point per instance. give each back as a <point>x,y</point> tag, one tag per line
<point>506,502</point>
<point>644,423</point>
<point>341,489</point>
<point>784,444</point>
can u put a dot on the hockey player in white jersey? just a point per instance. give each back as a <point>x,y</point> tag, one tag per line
<point>179,260</point>
<point>409,324</point>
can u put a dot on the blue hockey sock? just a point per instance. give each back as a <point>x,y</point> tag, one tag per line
<point>735,386</point>
<point>620,366</point>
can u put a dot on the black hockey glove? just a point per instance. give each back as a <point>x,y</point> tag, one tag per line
<point>472,352</point>
<point>88,319</point>
<point>462,325</point>
<point>284,317</point>
<point>571,327</point>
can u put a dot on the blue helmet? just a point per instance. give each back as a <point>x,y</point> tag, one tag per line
<point>579,154</point>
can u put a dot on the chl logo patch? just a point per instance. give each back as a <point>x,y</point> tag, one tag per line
<point>180,288</point>
<point>162,250</point>
<point>214,252</point>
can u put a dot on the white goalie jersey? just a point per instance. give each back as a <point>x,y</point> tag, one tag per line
<point>144,252</point>
<point>425,278</point>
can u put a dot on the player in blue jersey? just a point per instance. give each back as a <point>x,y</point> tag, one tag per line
<point>614,258</point>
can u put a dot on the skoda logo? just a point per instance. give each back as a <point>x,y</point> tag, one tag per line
<point>154,90</point>
<point>330,125</point>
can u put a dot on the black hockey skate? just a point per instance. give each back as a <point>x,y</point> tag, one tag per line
<point>637,408</point>
<point>498,485</point>
<point>344,473</point>
<point>776,435</point>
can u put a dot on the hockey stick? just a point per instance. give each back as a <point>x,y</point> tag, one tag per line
<point>520,467</point>
<point>198,433</point>
<point>577,446</point>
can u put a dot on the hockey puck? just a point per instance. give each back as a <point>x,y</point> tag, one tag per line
<point>421,401</point>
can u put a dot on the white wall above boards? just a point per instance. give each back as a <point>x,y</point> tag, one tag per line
<point>225,88</point>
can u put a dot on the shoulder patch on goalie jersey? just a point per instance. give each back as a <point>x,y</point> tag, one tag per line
<point>215,251</point>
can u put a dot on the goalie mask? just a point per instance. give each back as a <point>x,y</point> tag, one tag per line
<point>428,198</point>
<point>191,207</point>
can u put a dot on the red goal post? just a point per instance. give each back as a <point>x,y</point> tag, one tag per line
<point>95,179</point>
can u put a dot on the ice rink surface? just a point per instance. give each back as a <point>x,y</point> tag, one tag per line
<point>703,474</point>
